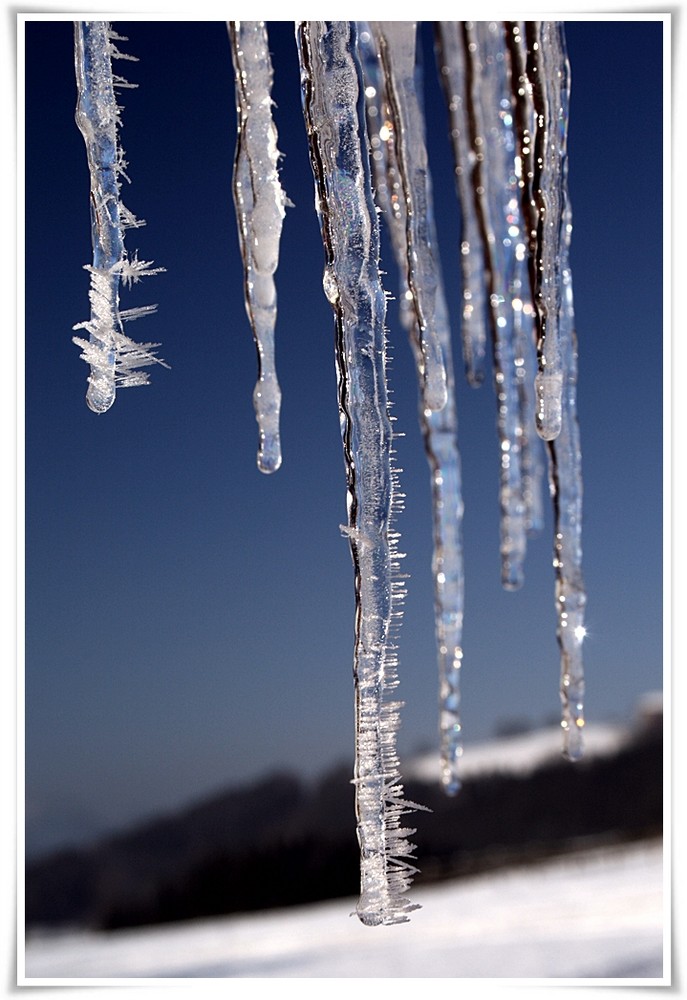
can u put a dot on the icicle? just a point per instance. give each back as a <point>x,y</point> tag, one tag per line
<point>497,202</point>
<point>541,97</point>
<point>260,208</point>
<point>451,60</point>
<point>566,483</point>
<point>395,41</point>
<point>546,81</point>
<point>112,356</point>
<point>520,290</point>
<point>439,429</point>
<point>333,103</point>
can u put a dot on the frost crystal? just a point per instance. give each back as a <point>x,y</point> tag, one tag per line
<point>114,358</point>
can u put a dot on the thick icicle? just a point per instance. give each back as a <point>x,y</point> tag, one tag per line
<point>333,103</point>
<point>566,488</point>
<point>260,208</point>
<point>112,356</point>
<point>439,428</point>
<point>395,42</point>
<point>451,61</point>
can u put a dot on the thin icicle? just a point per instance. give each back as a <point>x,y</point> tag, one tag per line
<point>112,356</point>
<point>525,317</point>
<point>333,103</point>
<point>498,213</point>
<point>439,429</point>
<point>566,482</point>
<point>395,42</point>
<point>451,61</point>
<point>534,65</point>
<point>260,208</point>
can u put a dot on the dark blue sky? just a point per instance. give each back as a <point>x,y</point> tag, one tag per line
<point>190,620</point>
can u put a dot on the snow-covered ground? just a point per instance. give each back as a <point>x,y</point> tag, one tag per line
<point>595,915</point>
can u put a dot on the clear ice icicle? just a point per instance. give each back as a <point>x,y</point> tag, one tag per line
<point>566,487</point>
<point>439,428</point>
<point>498,212</point>
<point>114,359</point>
<point>395,42</point>
<point>451,61</point>
<point>260,207</point>
<point>334,109</point>
<point>548,76</point>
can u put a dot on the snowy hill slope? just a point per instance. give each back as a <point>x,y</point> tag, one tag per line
<point>282,842</point>
<point>594,915</point>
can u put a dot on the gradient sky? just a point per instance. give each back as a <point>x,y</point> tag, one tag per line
<point>189,621</point>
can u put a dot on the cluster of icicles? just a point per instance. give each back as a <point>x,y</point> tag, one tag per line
<point>507,89</point>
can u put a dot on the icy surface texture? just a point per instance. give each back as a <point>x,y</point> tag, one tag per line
<point>439,428</point>
<point>260,208</point>
<point>334,109</point>
<point>114,359</point>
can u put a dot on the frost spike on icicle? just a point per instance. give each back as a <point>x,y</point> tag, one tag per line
<point>260,208</point>
<point>439,428</point>
<point>112,355</point>
<point>333,104</point>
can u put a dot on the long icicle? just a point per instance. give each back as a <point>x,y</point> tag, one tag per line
<point>260,208</point>
<point>539,103</point>
<point>114,359</point>
<point>497,204</point>
<point>333,103</point>
<point>566,481</point>
<point>439,428</point>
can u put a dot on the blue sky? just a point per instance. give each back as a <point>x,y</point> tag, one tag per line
<point>189,621</point>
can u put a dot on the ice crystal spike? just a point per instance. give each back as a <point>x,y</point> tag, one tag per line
<point>112,356</point>
<point>439,428</point>
<point>260,208</point>
<point>334,109</point>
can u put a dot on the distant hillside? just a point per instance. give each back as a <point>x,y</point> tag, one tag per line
<point>281,842</point>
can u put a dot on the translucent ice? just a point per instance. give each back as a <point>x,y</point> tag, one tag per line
<point>332,86</point>
<point>260,207</point>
